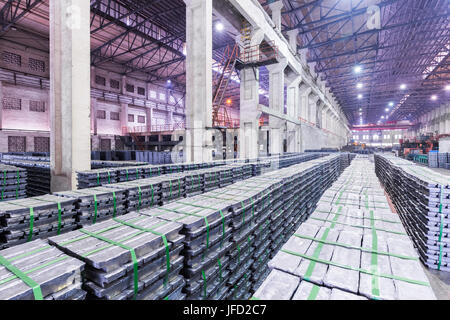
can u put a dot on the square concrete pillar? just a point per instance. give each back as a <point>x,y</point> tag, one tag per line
<point>70,100</point>
<point>198,80</point>
<point>124,118</point>
<point>305,90</point>
<point>276,7</point>
<point>292,38</point>
<point>94,116</point>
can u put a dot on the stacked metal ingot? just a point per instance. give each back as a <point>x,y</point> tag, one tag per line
<point>137,172</point>
<point>38,175</point>
<point>13,182</point>
<point>38,271</point>
<point>102,164</point>
<point>96,178</point>
<point>129,257</point>
<point>205,223</point>
<point>351,243</point>
<point>422,198</point>
<point>27,219</point>
<point>97,204</point>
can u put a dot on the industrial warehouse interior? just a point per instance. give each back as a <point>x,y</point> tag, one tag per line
<point>248,150</point>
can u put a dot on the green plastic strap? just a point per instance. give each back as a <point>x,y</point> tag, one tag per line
<point>121,245</point>
<point>151,187</point>
<point>17,187</point>
<point>374,259</point>
<point>95,209</point>
<point>37,292</point>
<point>98,178</point>
<point>137,173</point>
<point>179,187</point>
<point>140,197</point>
<point>126,170</point>
<point>365,218</point>
<point>30,235</point>
<point>115,204</point>
<point>109,178</point>
<point>318,249</point>
<point>163,236</point>
<point>220,269</point>
<point>204,284</point>
<point>59,219</point>
<point>441,228</point>
<point>253,209</point>
<point>314,292</point>
<point>343,266</point>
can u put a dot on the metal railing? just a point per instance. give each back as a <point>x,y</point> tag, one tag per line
<point>154,128</point>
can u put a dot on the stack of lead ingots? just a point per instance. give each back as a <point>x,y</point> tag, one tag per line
<point>172,187</point>
<point>37,271</point>
<point>140,194</point>
<point>96,178</point>
<point>211,179</point>
<point>194,183</point>
<point>131,257</point>
<point>422,198</point>
<point>24,220</point>
<point>205,222</point>
<point>38,175</point>
<point>173,168</point>
<point>97,204</point>
<point>137,172</point>
<point>13,182</point>
<point>101,164</point>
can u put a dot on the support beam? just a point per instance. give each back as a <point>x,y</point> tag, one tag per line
<point>198,80</point>
<point>276,7</point>
<point>249,100</point>
<point>305,91</point>
<point>292,38</point>
<point>70,99</point>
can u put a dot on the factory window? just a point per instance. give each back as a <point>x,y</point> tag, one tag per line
<point>105,145</point>
<point>100,80</point>
<point>114,116</point>
<point>131,118</point>
<point>130,88</point>
<point>114,84</point>
<point>355,137</point>
<point>17,144</point>
<point>12,104</point>
<point>162,96</point>
<point>41,144</point>
<point>141,91</point>
<point>36,65</point>
<point>152,94</point>
<point>101,114</point>
<point>172,100</point>
<point>375,137</point>
<point>119,145</point>
<point>12,58</point>
<point>37,106</point>
<point>141,119</point>
<point>387,136</point>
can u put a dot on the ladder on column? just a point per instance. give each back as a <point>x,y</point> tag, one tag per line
<point>225,71</point>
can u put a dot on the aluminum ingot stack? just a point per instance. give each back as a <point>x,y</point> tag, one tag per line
<point>172,187</point>
<point>130,257</point>
<point>38,175</point>
<point>137,172</point>
<point>205,223</point>
<point>353,246</point>
<point>422,198</point>
<point>97,204</point>
<point>38,271</point>
<point>13,182</point>
<point>24,220</point>
<point>96,178</point>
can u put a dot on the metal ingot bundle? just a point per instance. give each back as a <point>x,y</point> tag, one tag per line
<point>13,182</point>
<point>130,257</point>
<point>38,175</point>
<point>96,178</point>
<point>205,223</point>
<point>137,172</point>
<point>422,198</point>
<point>27,219</point>
<point>38,271</point>
<point>97,204</point>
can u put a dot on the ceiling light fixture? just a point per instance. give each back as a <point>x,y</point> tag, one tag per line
<point>219,26</point>
<point>403,86</point>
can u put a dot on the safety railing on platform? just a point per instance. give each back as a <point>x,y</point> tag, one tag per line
<point>154,128</point>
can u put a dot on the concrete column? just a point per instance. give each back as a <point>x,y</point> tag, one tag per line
<point>324,117</point>
<point>124,116</point>
<point>123,87</point>
<point>276,7</point>
<point>305,90</point>
<point>276,102</point>
<point>198,80</point>
<point>313,99</point>
<point>170,118</point>
<point>292,36</point>
<point>94,115</point>
<point>447,120</point>
<point>442,114</point>
<point>320,106</point>
<point>149,115</point>
<point>249,100</point>
<point>293,110</point>
<point>70,149</point>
